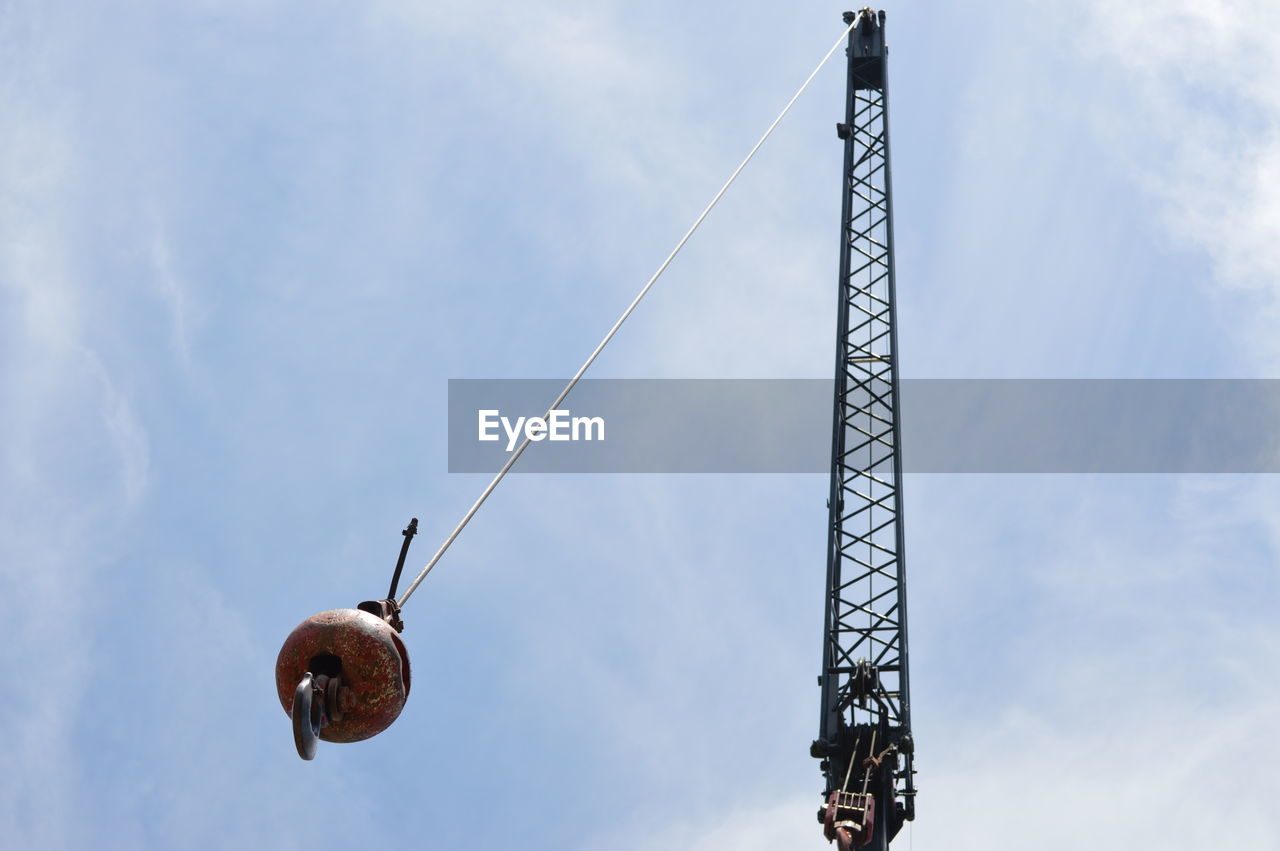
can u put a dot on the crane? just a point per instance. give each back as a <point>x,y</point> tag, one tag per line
<point>343,675</point>
<point>864,740</point>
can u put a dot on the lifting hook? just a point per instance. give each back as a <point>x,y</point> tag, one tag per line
<point>343,675</point>
<point>316,703</point>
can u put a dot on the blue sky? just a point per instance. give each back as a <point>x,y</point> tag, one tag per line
<point>244,245</point>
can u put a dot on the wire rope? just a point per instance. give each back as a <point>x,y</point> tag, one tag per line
<point>515,456</point>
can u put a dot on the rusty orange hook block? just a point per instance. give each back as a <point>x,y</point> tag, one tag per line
<point>343,675</point>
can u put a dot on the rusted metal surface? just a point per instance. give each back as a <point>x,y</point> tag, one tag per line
<point>369,657</point>
<point>387,610</point>
<point>850,819</point>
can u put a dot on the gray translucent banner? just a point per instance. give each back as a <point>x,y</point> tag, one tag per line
<point>948,426</point>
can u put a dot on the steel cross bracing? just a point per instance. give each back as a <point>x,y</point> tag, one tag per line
<point>865,676</point>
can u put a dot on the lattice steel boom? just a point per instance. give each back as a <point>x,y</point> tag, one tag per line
<point>864,738</point>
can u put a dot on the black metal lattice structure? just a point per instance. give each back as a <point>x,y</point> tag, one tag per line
<point>865,696</point>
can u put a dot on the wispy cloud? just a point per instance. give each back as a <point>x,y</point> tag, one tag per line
<point>173,290</point>
<point>1202,135</point>
<point>74,457</point>
<point>248,181</point>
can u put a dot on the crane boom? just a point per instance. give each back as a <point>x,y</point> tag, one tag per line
<point>864,738</point>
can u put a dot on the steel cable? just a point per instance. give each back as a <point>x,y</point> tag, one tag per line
<point>515,456</point>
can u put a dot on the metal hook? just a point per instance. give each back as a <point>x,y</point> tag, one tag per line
<point>308,716</point>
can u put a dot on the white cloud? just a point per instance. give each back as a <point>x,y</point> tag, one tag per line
<point>74,458</point>
<point>708,592</point>
<point>1101,643</point>
<point>173,291</point>
<point>1140,774</point>
<point>1199,125</point>
<point>753,825</point>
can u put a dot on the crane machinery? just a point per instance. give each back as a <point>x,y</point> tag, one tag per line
<point>343,675</point>
<point>864,740</point>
